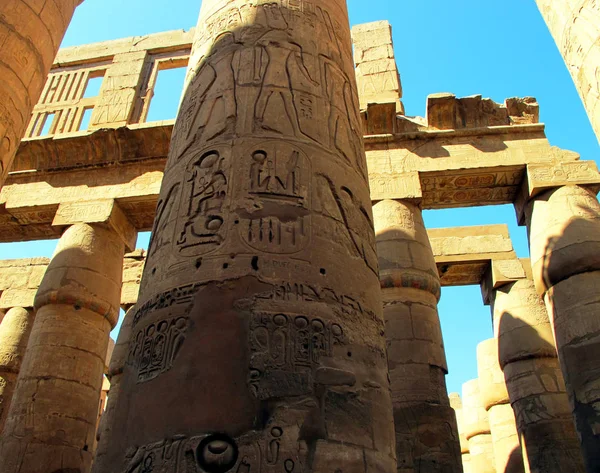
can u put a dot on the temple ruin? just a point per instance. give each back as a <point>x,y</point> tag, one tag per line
<point>285,315</point>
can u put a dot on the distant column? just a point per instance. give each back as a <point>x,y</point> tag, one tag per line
<point>426,432</point>
<point>477,429</point>
<point>14,335</point>
<point>456,403</point>
<point>31,33</point>
<point>563,218</point>
<point>533,378</point>
<point>53,417</point>
<point>575,26</point>
<point>508,457</point>
<point>115,372</point>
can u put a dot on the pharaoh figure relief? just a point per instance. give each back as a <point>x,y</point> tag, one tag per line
<point>265,188</point>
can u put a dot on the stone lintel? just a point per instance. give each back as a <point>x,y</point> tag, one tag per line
<point>541,177</point>
<point>105,212</point>
<point>502,272</point>
<point>22,297</point>
<point>109,352</point>
<point>380,118</point>
<point>404,186</point>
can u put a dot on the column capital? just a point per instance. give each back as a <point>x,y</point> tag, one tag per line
<point>105,212</point>
<point>542,177</point>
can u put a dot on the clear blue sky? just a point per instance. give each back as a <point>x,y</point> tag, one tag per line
<point>498,49</point>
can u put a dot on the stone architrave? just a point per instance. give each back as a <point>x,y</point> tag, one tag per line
<point>535,384</point>
<point>31,33</point>
<point>426,431</point>
<point>14,335</point>
<point>258,338</point>
<point>508,456</point>
<point>564,235</point>
<point>53,417</point>
<point>575,26</point>
<point>477,431</point>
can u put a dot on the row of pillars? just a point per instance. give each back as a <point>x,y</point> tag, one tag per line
<point>51,421</point>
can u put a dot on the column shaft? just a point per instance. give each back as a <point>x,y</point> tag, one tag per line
<point>52,420</point>
<point>31,34</point>
<point>426,432</point>
<point>564,234</point>
<point>258,339</point>
<point>575,26</point>
<point>535,384</point>
<point>14,335</point>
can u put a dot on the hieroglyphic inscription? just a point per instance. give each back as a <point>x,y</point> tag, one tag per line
<point>156,346</point>
<point>285,349</point>
<point>277,178</point>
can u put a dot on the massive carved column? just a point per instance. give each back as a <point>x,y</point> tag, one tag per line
<point>533,378</point>
<point>52,420</point>
<point>508,457</point>
<point>30,33</point>
<point>575,26</point>
<point>14,335</point>
<point>426,432</point>
<point>477,429</point>
<point>258,339</point>
<point>564,234</point>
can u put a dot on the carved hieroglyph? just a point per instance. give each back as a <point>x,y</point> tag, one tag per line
<point>257,341</point>
<point>31,33</point>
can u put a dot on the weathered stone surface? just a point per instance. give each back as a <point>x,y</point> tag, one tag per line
<point>261,278</point>
<point>31,33</point>
<point>14,335</point>
<point>52,420</point>
<point>574,26</point>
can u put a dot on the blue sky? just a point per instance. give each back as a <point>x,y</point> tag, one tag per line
<point>498,49</point>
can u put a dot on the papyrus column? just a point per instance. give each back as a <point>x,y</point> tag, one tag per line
<point>563,220</point>
<point>52,420</point>
<point>508,457</point>
<point>258,339</point>
<point>14,335</point>
<point>30,34</point>
<point>575,26</point>
<point>477,429</point>
<point>426,433</point>
<point>536,388</point>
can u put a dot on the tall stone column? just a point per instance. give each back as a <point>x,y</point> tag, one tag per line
<point>31,33</point>
<point>14,335</point>
<point>477,429</point>
<point>563,219</point>
<point>115,371</point>
<point>575,26</point>
<point>536,388</point>
<point>258,339</point>
<point>52,420</point>
<point>426,432</point>
<point>508,457</point>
